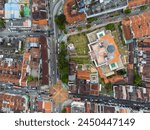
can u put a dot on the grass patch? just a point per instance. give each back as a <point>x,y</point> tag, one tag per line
<point>116,37</point>
<point>120,30</point>
<point>84,60</point>
<point>80,42</point>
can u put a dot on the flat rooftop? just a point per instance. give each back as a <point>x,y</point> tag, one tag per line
<point>100,7</point>
<point>104,50</point>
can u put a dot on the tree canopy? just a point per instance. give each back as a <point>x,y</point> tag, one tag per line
<point>127,11</point>
<point>108,87</point>
<point>110,26</point>
<point>2,23</point>
<point>63,64</point>
<point>60,21</point>
<point>137,79</point>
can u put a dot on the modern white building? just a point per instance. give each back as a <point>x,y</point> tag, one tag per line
<point>12,9</point>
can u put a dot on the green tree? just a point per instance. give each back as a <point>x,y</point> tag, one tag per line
<point>65,31</point>
<point>121,72</point>
<point>90,20</point>
<point>30,78</point>
<point>110,26</point>
<point>60,21</point>
<point>127,11</point>
<point>137,79</point>
<point>64,110</point>
<point>79,28</point>
<point>108,87</point>
<point>63,63</point>
<point>2,23</point>
<point>22,13</point>
<point>88,26</point>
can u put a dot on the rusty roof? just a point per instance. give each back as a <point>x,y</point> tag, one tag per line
<point>47,106</point>
<point>40,22</point>
<point>32,39</point>
<point>45,74</point>
<point>138,25</point>
<point>126,28</point>
<point>147,40</point>
<point>83,75</point>
<point>135,3</point>
<point>13,102</point>
<point>35,52</point>
<point>26,58</point>
<point>72,18</point>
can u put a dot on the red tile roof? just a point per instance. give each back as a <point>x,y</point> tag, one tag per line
<point>40,22</point>
<point>12,102</point>
<point>134,3</point>
<point>47,106</point>
<point>72,18</point>
<point>94,89</point>
<point>126,28</point>
<point>147,40</point>
<point>11,78</point>
<point>83,75</point>
<point>138,25</point>
<point>45,74</point>
<point>26,58</point>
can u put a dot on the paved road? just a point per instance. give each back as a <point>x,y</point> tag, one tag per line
<point>51,50</point>
<point>94,27</point>
<point>101,21</point>
<point>136,105</point>
<point>107,100</point>
<point>54,40</point>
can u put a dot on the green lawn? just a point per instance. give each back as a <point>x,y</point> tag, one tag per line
<point>80,42</point>
<point>82,60</point>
